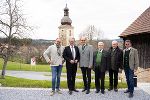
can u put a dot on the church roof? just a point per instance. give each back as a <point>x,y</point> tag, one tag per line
<point>66,20</point>
<point>139,26</point>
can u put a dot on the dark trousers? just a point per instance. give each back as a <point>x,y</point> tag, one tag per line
<point>71,75</point>
<point>113,78</point>
<point>99,79</point>
<point>129,78</point>
<point>86,73</point>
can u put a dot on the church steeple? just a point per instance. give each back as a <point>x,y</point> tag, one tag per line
<point>66,20</point>
<point>66,30</point>
<point>66,11</point>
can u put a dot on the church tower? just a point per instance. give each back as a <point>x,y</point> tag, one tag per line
<point>66,29</point>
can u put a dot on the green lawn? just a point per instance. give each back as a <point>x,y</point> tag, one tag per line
<point>28,67</point>
<point>20,82</point>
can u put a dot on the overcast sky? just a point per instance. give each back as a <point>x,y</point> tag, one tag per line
<point>110,16</point>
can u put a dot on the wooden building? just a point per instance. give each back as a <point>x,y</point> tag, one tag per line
<point>139,33</point>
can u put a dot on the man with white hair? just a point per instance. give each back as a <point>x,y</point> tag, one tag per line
<point>100,67</point>
<point>72,57</point>
<point>115,63</point>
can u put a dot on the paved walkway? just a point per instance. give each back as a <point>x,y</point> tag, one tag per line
<point>37,75</point>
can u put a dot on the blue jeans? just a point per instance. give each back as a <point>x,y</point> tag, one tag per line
<point>129,78</point>
<point>56,73</point>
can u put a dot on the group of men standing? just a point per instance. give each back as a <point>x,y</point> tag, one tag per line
<point>100,61</point>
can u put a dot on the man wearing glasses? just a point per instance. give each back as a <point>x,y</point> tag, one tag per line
<point>130,64</point>
<point>86,61</point>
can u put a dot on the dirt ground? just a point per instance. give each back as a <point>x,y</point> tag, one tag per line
<point>143,75</point>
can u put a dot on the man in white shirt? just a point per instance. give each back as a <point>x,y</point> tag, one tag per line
<point>72,57</point>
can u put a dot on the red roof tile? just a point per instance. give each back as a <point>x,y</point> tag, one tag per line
<point>140,25</point>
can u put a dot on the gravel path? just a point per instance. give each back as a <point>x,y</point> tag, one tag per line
<point>142,92</point>
<point>7,93</point>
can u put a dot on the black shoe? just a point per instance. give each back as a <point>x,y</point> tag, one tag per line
<point>130,95</point>
<point>102,91</point>
<point>75,90</point>
<point>127,91</point>
<point>88,91</point>
<point>70,92</point>
<point>110,89</point>
<point>97,91</point>
<point>84,90</point>
<point>115,89</point>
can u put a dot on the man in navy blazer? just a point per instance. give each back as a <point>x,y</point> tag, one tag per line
<point>72,57</point>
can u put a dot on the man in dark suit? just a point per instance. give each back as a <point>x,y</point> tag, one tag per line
<point>100,66</point>
<point>115,64</point>
<point>72,57</point>
<point>130,64</point>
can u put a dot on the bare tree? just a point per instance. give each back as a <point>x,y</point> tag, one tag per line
<point>91,32</point>
<point>12,24</point>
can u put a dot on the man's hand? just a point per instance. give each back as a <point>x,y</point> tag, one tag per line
<point>90,67</point>
<point>49,62</point>
<point>76,61</point>
<point>72,61</point>
<point>120,70</point>
<point>63,61</point>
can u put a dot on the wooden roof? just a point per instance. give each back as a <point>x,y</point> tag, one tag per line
<point>139,26</point>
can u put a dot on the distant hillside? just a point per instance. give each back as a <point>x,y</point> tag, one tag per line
<point>42,42</point>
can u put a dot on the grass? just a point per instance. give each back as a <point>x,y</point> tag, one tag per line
<point>27,67</point>
<point>20,82</point>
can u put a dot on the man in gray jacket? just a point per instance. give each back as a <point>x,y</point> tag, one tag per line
<point>86,62</point>
<point>53,56</point>
<point>130,64</point>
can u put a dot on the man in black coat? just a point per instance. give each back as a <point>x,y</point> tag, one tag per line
<point>72,57</point>
<point>115,64</point>
<point>100,66</point>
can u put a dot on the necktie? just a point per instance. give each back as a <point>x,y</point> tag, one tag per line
<point>72,52</point>
<point>83,47</point>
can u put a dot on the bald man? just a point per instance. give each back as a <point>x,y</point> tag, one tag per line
<point>86,62</point>
<point>56,62</point>
<point>115,63</point>
<point>100,67</point>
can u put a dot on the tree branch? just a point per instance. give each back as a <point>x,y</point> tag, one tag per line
<point>4,33</point>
